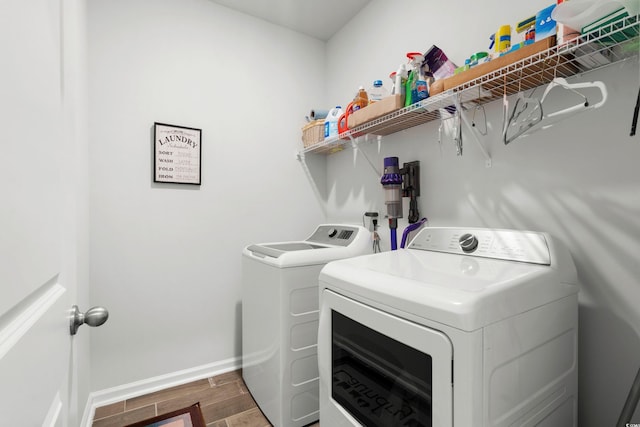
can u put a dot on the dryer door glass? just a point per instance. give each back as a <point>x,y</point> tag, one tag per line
<point>379,380</point>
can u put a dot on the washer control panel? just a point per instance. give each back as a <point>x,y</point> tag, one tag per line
<point>512,245</point>
<point>339,235</point>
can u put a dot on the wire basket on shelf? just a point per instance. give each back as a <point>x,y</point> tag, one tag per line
<point>313,133</point>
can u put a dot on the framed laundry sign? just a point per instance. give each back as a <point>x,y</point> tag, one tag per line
<point>177,154</point>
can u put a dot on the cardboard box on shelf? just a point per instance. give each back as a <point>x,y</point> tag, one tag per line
<point>500,62</point>
<point>436,87</point>
<point>378,109</point>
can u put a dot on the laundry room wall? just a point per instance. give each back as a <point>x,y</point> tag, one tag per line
<point>165,258</point>
<point>577,180</point>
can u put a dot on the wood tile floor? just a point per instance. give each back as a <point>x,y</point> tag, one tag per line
<point>224,399</point>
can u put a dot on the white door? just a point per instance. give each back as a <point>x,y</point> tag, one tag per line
<point>37,204</point>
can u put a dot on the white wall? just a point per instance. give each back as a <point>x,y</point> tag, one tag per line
<point>165,259</point>
<point>579,180</point>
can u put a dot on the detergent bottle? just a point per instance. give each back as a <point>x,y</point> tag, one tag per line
<point>361,99</point>
<point>331,122</point>
<point>343,120</point>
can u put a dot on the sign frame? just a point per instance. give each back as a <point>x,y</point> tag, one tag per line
<point>177,154</point>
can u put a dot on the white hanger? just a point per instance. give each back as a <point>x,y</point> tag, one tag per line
<point>546,119</point>
<point>561,82</point>
<point>522,123</point>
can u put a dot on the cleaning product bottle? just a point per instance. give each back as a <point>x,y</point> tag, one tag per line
<point>392,76</point>
<point>361,99</point>
<point>410,82</point>
<point>422,88</point>
<point>377,92</point>
<point>401,81</point>
<point>411,92</point>
<point>331,122</point>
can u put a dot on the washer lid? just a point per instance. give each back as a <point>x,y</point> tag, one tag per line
<point>459,290</point>
<point>276,250</point>
<point>328,242</point>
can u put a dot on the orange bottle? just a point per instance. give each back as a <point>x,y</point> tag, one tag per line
<point>361,100</point>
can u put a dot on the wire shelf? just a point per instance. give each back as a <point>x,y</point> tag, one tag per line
<point>609,44</point>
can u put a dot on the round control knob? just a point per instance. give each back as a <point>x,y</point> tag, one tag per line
<point>333,232</point>
<point>468,242</point>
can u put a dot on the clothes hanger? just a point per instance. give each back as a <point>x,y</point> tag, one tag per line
<point>519,121</point>
<point>539,117</point>
<point>560,82</point>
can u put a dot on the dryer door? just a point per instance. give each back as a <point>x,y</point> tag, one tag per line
<point>377,369</point>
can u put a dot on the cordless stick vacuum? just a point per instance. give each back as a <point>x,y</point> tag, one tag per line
<point>392,183</point>
<point>398,183</point>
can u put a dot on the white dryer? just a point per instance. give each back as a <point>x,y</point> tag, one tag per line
<point>466,327</point>
<point>280,319</point>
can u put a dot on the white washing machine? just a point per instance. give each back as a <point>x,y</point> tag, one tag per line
<point>466,327</point>
<point>280,319</point>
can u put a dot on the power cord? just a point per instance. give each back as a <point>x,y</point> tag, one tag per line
<point>375,237</point>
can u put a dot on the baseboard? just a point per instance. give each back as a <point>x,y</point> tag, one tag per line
<point>150,385</point>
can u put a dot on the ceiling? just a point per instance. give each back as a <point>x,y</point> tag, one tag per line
<point>317,18</point>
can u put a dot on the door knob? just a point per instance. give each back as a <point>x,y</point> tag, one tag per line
<point>95,316</point>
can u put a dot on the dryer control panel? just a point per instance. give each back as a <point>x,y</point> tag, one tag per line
<point>512,245</point>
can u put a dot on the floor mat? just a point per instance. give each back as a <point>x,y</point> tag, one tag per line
<point>186,417</point>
